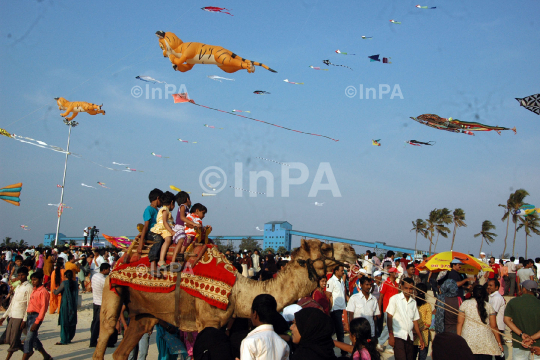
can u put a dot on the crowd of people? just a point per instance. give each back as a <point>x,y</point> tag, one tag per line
<point>376,301</point>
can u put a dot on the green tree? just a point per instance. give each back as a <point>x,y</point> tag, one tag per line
<point>489,237</point>
<point>516,201</point>
<point>507,212</point>
<point>6,242</point>
<point>444,218</point>
<point>459,221</point>
<point>282,250</point>
<point>419,227</point>
<point>218,241</point>
<point>431,222</point>
<point>529,223</point>
<point>271,249</point>
<point>22,243</point>
<point>249,244</point>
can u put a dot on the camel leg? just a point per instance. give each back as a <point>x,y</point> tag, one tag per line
<point>111,306</point>
<point>138,326</point>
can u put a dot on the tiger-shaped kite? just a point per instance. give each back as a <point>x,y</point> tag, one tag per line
<point>185,55</point>
<point>76,107</point>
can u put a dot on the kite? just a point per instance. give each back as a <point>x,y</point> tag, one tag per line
<point>130,169</point>
<point>376,142</point>
<point>343,53</point>
<point>212,127</point>
<point>64,206</point>
<point>425,7</point>
<point>295,83</point>
<point>373,58</point>
<point>457,126</point>
<point>327,62</point>
<point>115,163</point>
<point>259,229</point>
<point>246,111</point>
<point>216,10</point>
<point>120,242</point>
<point>176,189</point>
<point>318,204</point>
<point>76,107</point>
<point>367,37</point>
<point>25,227</point>
<point>160,156</point>
<point>420,143</point>
<point>218,78</point>
<point>5,133</point>
<point>184,56</point>
<point>252,192</point>
<point>11,194</point>
<point>102,185</point>
<point>531,103</point>
<point>88,186</point>
<point>272,161</point>
<point>186,99</point>
<point>395,22</point>
<point>149,79</point>
<point>206,194</point>
<point>261,92</point>
<point>193,142</point>
<point>59,186</point>
<point>31,141</point>
<point>317,68</point>
<point>526,210</point>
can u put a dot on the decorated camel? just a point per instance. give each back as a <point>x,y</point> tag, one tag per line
<point>189,313</point>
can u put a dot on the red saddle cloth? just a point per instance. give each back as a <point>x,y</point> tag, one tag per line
<point>211,279</point>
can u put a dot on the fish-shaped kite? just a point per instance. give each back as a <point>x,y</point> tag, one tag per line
<point>11,194</point>
<point>343,53</point>
<point>419,143</point>
<point>216,9</point>
<point>246,111</point>
<point>261,92</point>
<point>367,37</point>
<point>318,204</point>
<point>115,163</point>
<point>102,185</point>
<point>25,227</point>
<point>373,58</point>
<point>425,7</point>
<point>218,78</point>
<point>160,156</point>
<point>149,79</point>
<point>395,22</point>
<point>88,186</point>
<point>193,142</point>
<point>531,103</point>
<point>290,82</point>
<point>317,68</point>
<point>456,125</point>
<point>327,62</point>
<point>376,142</point>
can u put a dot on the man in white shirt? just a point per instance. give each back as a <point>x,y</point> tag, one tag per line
<point>263,343</point>
<point>364,304</point>
<point>335,291</point>
<point>402,318</point>
<point>63,254</point>
<point>85,234</point>
<point>512,270</point>
<point>525,273</point>
<point>98,260</point>
<point>17,312</point>
<point>498,304</point>
<point>98,282</point>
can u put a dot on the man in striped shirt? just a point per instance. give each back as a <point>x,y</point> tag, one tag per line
<point>98,282</point>
<point>37,307</point>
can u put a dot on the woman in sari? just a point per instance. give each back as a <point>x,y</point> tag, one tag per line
<point>56,279</point>
<point>68,309</point>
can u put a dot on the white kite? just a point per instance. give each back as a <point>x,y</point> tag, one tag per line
<point>83,184</point>
<point>218,78</point>
<point>149,79</point>
<point>318,204</point>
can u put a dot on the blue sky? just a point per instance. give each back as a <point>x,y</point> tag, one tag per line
<point>463,60</point>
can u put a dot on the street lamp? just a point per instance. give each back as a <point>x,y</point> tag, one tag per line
<point>71,124</point>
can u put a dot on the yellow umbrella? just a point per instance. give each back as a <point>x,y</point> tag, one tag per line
<point>441,262</point>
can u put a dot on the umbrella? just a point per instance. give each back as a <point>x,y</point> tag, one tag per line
<point>441,262</point>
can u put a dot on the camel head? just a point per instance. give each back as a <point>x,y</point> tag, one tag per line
<point>320,257</point>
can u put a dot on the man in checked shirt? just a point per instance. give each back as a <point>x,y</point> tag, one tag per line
<point>37,307</point>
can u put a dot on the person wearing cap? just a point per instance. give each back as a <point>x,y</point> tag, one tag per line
<point>522,316</point>
<point>457,277</point>
<point>388,290</point>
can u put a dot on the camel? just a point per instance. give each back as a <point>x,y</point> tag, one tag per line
<point>296,280</point>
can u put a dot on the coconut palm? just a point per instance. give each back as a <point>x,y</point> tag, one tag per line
<point>444,218</point>
<point>459,221</point>
<point>6,242</point>
<point>507,211</point>
<point>529,223</point>
<point>489,237</point>
<point>516,201</point>
<point>419,227</point>
<point>22,243</point>
<point>431,222</point>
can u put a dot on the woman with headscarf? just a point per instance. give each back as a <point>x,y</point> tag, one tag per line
<point>57,277</point>
<point>446,317</point>
<point>68,309</point>
<point>212,344</point>
<point>448,346</point>
<point>484,341</point>
<point>312,333</point>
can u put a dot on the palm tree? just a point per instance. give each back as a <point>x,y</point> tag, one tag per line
<point>459,221</point>
<point>489,237</point>
<point>6,242</point>
<point>507,212</point>
<point>444,218</point>
<point>516,201</point>
<point>529,223</point>
<point>419,227</point>
<point>22,243</point>
<point>431,222</point>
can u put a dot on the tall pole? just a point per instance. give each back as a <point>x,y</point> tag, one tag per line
<point>70,124</point>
